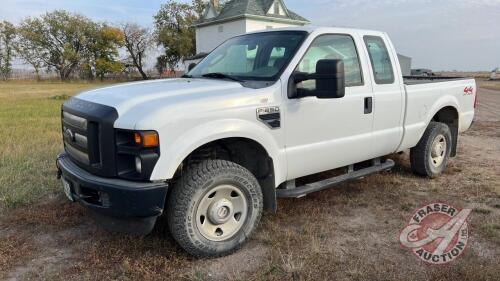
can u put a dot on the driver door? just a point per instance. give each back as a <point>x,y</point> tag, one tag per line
<point>323,134</point>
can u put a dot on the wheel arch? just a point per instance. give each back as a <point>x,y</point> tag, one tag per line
<point>249,145</point>
<point>449,115</point>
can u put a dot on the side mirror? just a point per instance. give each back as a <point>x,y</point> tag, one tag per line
<point>329,78</point>
<point>191,66</point>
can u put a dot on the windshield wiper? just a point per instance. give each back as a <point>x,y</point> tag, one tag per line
<point>220,75</point>
<point>186,76</point>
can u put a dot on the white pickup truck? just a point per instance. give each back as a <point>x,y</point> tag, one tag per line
<point>247,125</point>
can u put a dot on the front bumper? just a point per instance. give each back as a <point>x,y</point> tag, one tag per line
<point>118,205</point>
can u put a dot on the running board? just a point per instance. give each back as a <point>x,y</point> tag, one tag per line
<point>301,191</point>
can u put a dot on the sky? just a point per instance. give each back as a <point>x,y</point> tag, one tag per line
<point>437,34</point>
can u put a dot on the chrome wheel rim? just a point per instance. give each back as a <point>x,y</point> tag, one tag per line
<point>438,151</point>
<point>221,212</point>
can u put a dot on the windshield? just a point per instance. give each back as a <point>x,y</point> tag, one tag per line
<point>258,56</point>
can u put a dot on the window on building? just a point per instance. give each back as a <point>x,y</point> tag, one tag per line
<point>276,8</point>
<point>380,60</point>
<point>332,46</point>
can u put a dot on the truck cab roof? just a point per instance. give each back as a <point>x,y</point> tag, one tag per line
<point>321,29</point>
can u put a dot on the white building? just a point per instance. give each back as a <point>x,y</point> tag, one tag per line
<point>221,22</point>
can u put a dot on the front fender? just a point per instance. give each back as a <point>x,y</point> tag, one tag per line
<point>173,153</point>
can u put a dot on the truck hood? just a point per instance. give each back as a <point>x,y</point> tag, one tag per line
<point>151,104</point>
<point>124,97</point>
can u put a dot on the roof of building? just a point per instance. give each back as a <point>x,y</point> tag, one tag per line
<point>235,9</point>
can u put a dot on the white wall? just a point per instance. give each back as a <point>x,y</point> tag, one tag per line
<point>255,25</point>
<point>209,37</point>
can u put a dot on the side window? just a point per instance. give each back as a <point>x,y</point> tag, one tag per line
<point>335,46</point>
<point>380,60</point>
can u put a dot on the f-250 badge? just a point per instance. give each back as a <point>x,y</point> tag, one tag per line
<point>269,116</point>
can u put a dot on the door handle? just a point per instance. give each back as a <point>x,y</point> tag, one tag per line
<point>368,105</point>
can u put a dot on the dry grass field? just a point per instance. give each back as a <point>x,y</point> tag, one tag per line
<point>346,233</point>
<point>30,137</point>
<point>482,78</point>
<point>487,84</point>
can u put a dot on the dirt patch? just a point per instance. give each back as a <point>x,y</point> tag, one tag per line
<point>43,233</point>
<point>14,250</point>
<point>49,252</point>
<point>233,267</point>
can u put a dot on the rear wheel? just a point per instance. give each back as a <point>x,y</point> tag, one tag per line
<point>430,157</point>
<point>214,208</point>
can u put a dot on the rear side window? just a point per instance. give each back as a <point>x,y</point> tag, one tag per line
<point>379,57</point>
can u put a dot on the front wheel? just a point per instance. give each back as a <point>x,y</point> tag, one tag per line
<point>214,207</point>
<point>430,157</point>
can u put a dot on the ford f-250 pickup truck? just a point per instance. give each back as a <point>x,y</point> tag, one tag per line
<point>247,125</point>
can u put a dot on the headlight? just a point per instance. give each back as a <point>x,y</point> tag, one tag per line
<point>136,153</point>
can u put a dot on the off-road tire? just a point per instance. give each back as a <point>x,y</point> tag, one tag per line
<point>420,155</point>
<point>189,190</point>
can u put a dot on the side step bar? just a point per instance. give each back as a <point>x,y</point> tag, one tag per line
<point>301,191</point>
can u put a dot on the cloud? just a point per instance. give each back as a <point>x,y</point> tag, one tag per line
<point>110,10</point>
<point>446,34</point>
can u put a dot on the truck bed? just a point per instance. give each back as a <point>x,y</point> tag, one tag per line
<point>413,80</point>
<point>426,95</point>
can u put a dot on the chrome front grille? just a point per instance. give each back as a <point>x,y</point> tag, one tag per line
<point>74,130</point>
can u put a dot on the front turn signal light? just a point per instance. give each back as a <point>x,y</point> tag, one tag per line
<point>150,139</point>
<point>146,139</point>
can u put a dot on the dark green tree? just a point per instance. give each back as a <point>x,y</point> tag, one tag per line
<point>7,36</point>
<point>175,31</point>
<point>101,50</point>
<point>60,38</point>
<point>28,50</point>
<point>161,64</point>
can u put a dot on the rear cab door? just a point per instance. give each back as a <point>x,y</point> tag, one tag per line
<point>388,92</point>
